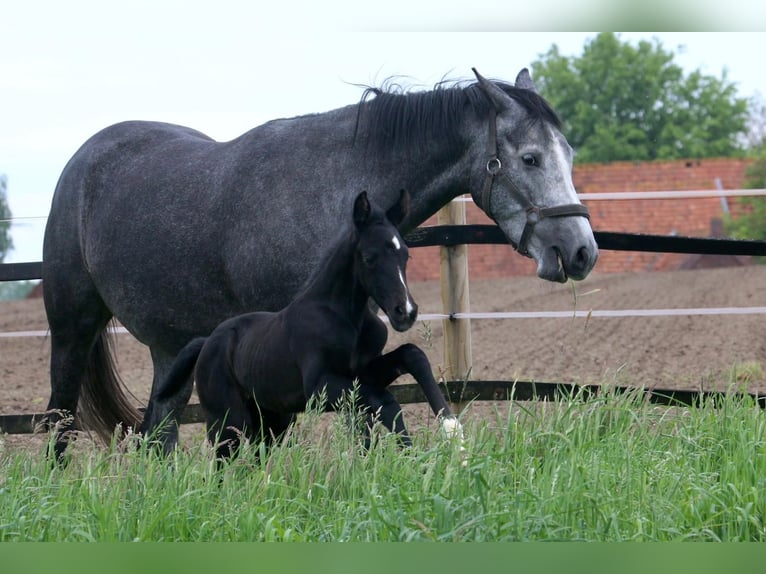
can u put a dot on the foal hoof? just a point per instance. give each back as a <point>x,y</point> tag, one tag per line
<point>453,432</point>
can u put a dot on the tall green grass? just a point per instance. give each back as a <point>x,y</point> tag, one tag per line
<point>610,468</point>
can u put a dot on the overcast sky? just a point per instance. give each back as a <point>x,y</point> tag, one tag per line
<point>68,69</point>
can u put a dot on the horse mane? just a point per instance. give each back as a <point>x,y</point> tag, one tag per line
<point>338,251</point>
<point>396,117</point>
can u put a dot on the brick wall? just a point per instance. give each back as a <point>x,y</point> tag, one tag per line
<point>689,217</point>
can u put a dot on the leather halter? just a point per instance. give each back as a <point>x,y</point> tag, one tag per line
<point>535,213</point>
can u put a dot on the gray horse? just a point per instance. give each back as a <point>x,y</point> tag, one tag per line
<point>170,232</point>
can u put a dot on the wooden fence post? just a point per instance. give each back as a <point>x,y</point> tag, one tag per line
<point>454,285</point>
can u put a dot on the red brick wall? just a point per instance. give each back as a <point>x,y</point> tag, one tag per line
<point>690,217</point>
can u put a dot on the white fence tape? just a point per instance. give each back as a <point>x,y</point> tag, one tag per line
<point>15,334</point>
<point>602,313</point>
<point>583,196</point>
<point>692,194</point>
<point>579,314</point>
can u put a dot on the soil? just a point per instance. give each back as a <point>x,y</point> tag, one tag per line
<point>709,352</point>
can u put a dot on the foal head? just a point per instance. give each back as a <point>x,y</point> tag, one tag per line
<point>381,259</point>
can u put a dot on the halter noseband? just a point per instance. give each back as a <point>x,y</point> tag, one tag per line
<point>534,213</point>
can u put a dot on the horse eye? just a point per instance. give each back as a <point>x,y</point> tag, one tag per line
<point>530,160</point>
<point>370,260</point>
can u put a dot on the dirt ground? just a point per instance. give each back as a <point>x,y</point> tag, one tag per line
<point>667,352</point>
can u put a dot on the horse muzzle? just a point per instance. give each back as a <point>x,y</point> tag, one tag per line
<point>403,316</point>
<point>563,248</point>
<point>558,264</point>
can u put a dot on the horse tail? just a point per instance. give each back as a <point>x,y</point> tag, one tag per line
<point>103,403</point>
<point>181,370</point>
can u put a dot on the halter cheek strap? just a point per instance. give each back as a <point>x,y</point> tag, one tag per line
<point>535,213</point>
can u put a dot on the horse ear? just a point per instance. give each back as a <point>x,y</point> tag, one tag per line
<point>361,209</point>
<point>497,96</point>
<point>400,209</point>
<point>524,80</point>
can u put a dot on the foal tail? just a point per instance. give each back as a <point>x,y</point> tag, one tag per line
<point>181,370</point>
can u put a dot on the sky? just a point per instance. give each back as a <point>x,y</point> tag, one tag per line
<point>69,69</point>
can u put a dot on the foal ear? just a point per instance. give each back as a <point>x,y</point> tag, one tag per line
<point>497,96</point>
<point>400,209</point>
<point>361,209</point>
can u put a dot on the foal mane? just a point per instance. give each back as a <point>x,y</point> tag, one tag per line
<point>396,117</point>
<point>339,251</point>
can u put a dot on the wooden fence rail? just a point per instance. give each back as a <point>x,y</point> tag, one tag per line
<point>463,392</point>
<point>451,235</point>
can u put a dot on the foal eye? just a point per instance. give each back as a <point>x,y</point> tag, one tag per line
<point>530,160</point>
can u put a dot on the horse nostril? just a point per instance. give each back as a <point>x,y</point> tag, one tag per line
<point>409,312</point>
<point>582,262</point>
<point>582,256</point>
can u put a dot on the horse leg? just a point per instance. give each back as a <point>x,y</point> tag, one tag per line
<point>226,427</point>
<point>71,347</point>
<point>273,424</point>
<point>406,359</point>
<point>376,401</point>
<point>161,416</point>
<point>228,420</point>
<point>382,405</point>
<point>229,412</point>
<point>81,367</point>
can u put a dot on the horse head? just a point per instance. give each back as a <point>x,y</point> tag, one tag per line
<point>381,259</point>
<point>525,182</point>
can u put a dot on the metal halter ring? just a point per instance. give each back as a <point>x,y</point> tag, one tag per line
<point>533,215</point>
<point>494,165</point>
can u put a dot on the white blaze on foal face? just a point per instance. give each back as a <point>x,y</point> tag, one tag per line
<point>408,305</point>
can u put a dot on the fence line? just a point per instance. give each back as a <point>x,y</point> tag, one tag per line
<point>448,236</point>
<point>599,196</point>
<point>22,218</point>
<point>692,194</point>
<point>600,313</point>
<point>451,235</point>
<point>468,391</point>
<point>574,314</point>
<point>689,194</point>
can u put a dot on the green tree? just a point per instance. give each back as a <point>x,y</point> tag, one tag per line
<point>752,223</point>
<point>11,290</point>
<point>625,102</point>
<point>755,138</point>
<point>6,242</point>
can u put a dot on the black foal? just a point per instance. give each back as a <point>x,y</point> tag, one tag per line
<point>255,371</point>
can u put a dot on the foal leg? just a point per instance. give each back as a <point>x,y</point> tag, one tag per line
<point>273,425</point>
<point>227,426</point>
<point>329,390</point>
<point>382,404</point>
<point>228,414</point>
<point>410,359</point>
<point>406,359</point>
